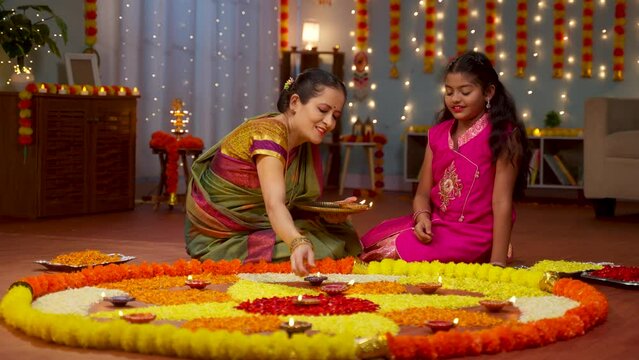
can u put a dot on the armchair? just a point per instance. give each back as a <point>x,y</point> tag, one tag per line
<point>611,152</point>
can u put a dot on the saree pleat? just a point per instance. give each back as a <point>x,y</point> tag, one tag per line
<point>226,219</point>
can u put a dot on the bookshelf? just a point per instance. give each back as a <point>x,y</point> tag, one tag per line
<point>557,162</point>
<point>414,151</point>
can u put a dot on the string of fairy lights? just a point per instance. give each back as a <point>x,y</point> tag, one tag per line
<point>540,15</point>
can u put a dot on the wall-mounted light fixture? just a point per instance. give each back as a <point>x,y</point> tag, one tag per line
<point>310,34</point>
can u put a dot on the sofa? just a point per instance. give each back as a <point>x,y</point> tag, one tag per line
<point>611,152</point>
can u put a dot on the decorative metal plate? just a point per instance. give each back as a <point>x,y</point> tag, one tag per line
<point>64,267</point>
<point>332,207</point>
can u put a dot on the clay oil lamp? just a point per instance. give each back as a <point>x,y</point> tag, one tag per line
<point>441,325</point>
<point>138,318</point>
<point>305,300</point>
<point>118,300</point>
<point>335,289</point>
<point>316,280</point>
<point>430,288</point>
<point>496,305</point>
<point>196,283</point>
<point>295,327</point>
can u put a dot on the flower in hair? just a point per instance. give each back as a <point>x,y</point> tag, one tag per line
<point>288,83</point>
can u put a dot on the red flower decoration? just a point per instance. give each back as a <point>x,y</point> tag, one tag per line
<point>329,305</point>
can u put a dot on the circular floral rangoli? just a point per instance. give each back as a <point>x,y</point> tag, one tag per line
<point>242,312</point>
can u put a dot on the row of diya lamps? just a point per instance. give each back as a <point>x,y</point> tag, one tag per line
<point>65,89</point>
<point>332,289</point>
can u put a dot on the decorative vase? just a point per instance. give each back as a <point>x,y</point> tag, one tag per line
<point>18,81</point>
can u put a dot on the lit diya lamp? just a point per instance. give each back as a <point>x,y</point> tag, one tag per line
<point>497,305</point>
<point>305,300</point>
<point>430,288</point>
<point>137,318</point>
<point>196,283</point>
<point>118,300</point>
<point>441,325</point>
<point>337,288</point>
<point>316,280</point>
<point>295,327</point>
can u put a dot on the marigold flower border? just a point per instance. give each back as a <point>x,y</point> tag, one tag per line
<point>78,331</point>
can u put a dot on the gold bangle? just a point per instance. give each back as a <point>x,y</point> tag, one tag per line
<point>299,241</point>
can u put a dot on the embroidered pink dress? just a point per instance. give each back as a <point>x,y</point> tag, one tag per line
<point>461,201</point>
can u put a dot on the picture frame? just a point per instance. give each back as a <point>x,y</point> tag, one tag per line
<point>82,69</point>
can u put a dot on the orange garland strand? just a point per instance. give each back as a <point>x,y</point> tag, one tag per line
<point>522,38</point>
<point>394,49</point>
<point>619,40</point>
<point>462,26</point>
<point>283,25</point>
<point>559,31</point>
<point>490,38</point>
<point>586,38</point>
<point>429,36</point>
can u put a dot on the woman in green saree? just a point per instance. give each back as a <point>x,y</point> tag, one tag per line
<point>241,199</point>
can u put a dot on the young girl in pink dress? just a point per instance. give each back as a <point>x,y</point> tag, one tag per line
<point>475,165</point>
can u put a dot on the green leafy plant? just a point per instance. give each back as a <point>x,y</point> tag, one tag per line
<point>553,119</point>
<point>19,35</point>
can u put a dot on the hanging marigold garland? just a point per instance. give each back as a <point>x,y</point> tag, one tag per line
<point>462,26</point>
<point>171,144</point>
<point>25,129</point>
<point>394,49</point>
<point>429,36</point>
<point>283,25</point>
<point>360,59</point>
<point>559,12</point>
<point>619,39</point>
<point>490,38</point>
<point>522,38</point>
<point>586,38</point>
<point>90,22</point>
<point>361,21</point>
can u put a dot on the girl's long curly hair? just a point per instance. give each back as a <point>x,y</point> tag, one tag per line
<point>503,116</point>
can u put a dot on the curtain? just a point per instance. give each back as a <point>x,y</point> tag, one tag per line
<point>219,56</point>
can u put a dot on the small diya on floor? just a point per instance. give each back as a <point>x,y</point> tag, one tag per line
<point>315,280</point>
<point>334,288</point>
<point>494,305</point>
<point>196,283</point>
<point>441,325</point>
<point>306,300</point>
<point>429,288</point>
<point>295,327</point>
<point>138,318</point>
<point>119,300</point>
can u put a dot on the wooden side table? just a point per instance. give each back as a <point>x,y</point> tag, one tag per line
<point>369,148</point>
<point>184,155</point>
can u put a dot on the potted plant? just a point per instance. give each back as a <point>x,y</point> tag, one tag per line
<point>553,119</point>
<point>19,35</point>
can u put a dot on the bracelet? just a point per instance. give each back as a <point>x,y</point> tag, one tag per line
<point>299,241</point>
<point>419,212</point>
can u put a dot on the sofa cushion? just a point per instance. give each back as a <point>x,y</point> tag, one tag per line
<point>623,144</point>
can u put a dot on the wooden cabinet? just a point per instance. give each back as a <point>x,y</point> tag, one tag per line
<point>82,159</point>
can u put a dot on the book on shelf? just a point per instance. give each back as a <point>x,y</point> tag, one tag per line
<point>534,166</point>
<point>559,169</point>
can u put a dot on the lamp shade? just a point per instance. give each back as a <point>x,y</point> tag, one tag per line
<point>310,33</point>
